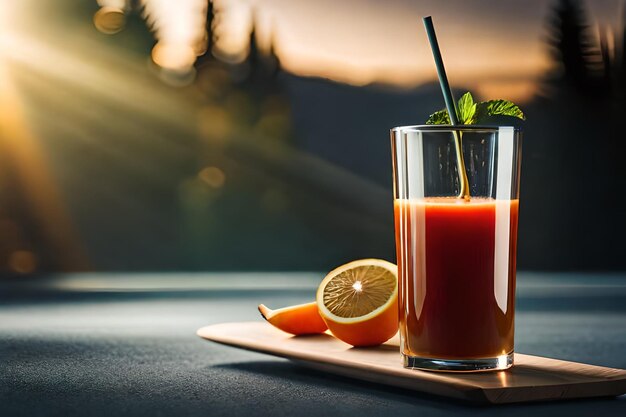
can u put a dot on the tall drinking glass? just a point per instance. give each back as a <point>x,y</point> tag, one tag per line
<point>456,256</point>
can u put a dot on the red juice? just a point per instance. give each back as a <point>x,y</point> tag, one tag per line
<point>456,265</point>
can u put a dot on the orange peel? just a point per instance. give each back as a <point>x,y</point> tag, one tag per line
<point>298,319</point>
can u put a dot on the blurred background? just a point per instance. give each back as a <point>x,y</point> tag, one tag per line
<point>156,135</point>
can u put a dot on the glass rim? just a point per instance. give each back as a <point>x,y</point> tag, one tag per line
<point>452,128</point>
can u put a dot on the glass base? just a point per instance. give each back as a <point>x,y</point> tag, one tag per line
<point>459,365</point>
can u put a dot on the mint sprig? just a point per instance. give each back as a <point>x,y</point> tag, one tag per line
<point>471,113</point>
<point>440,117</point>
<point>498,108</point>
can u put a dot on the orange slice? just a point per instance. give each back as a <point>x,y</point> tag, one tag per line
<point>298,319</point>
<point>359,302</point>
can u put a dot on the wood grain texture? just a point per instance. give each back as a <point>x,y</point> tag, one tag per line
<point>532,378</point>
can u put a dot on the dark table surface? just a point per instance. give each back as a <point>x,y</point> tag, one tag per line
<point>125,344</point>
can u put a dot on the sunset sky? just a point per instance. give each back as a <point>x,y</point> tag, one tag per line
<point>494,48</point>
<point>490,46</point>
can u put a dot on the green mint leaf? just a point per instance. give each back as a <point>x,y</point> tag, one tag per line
<point>471,113</point>
<point>497,108</point>
<point>466,109</point>
<point>439,118</point>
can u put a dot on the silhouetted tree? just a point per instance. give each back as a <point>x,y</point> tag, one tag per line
<point>621,58</point>
<point>263,66</point>
<point>211,37</point>
<point>574,49</point>
<point>615,60</point>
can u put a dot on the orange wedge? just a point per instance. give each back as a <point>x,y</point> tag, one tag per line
<point>297,320</point>
<point>359,302</point>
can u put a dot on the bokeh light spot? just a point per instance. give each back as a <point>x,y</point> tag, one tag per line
<point>213,177</point>
<point>22,262</point>
<point>109,20</point>
<point>174,57</point>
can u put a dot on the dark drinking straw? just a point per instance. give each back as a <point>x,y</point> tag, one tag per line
<point>441,70</point>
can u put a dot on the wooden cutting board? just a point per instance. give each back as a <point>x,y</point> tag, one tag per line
<point>532,378</point>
